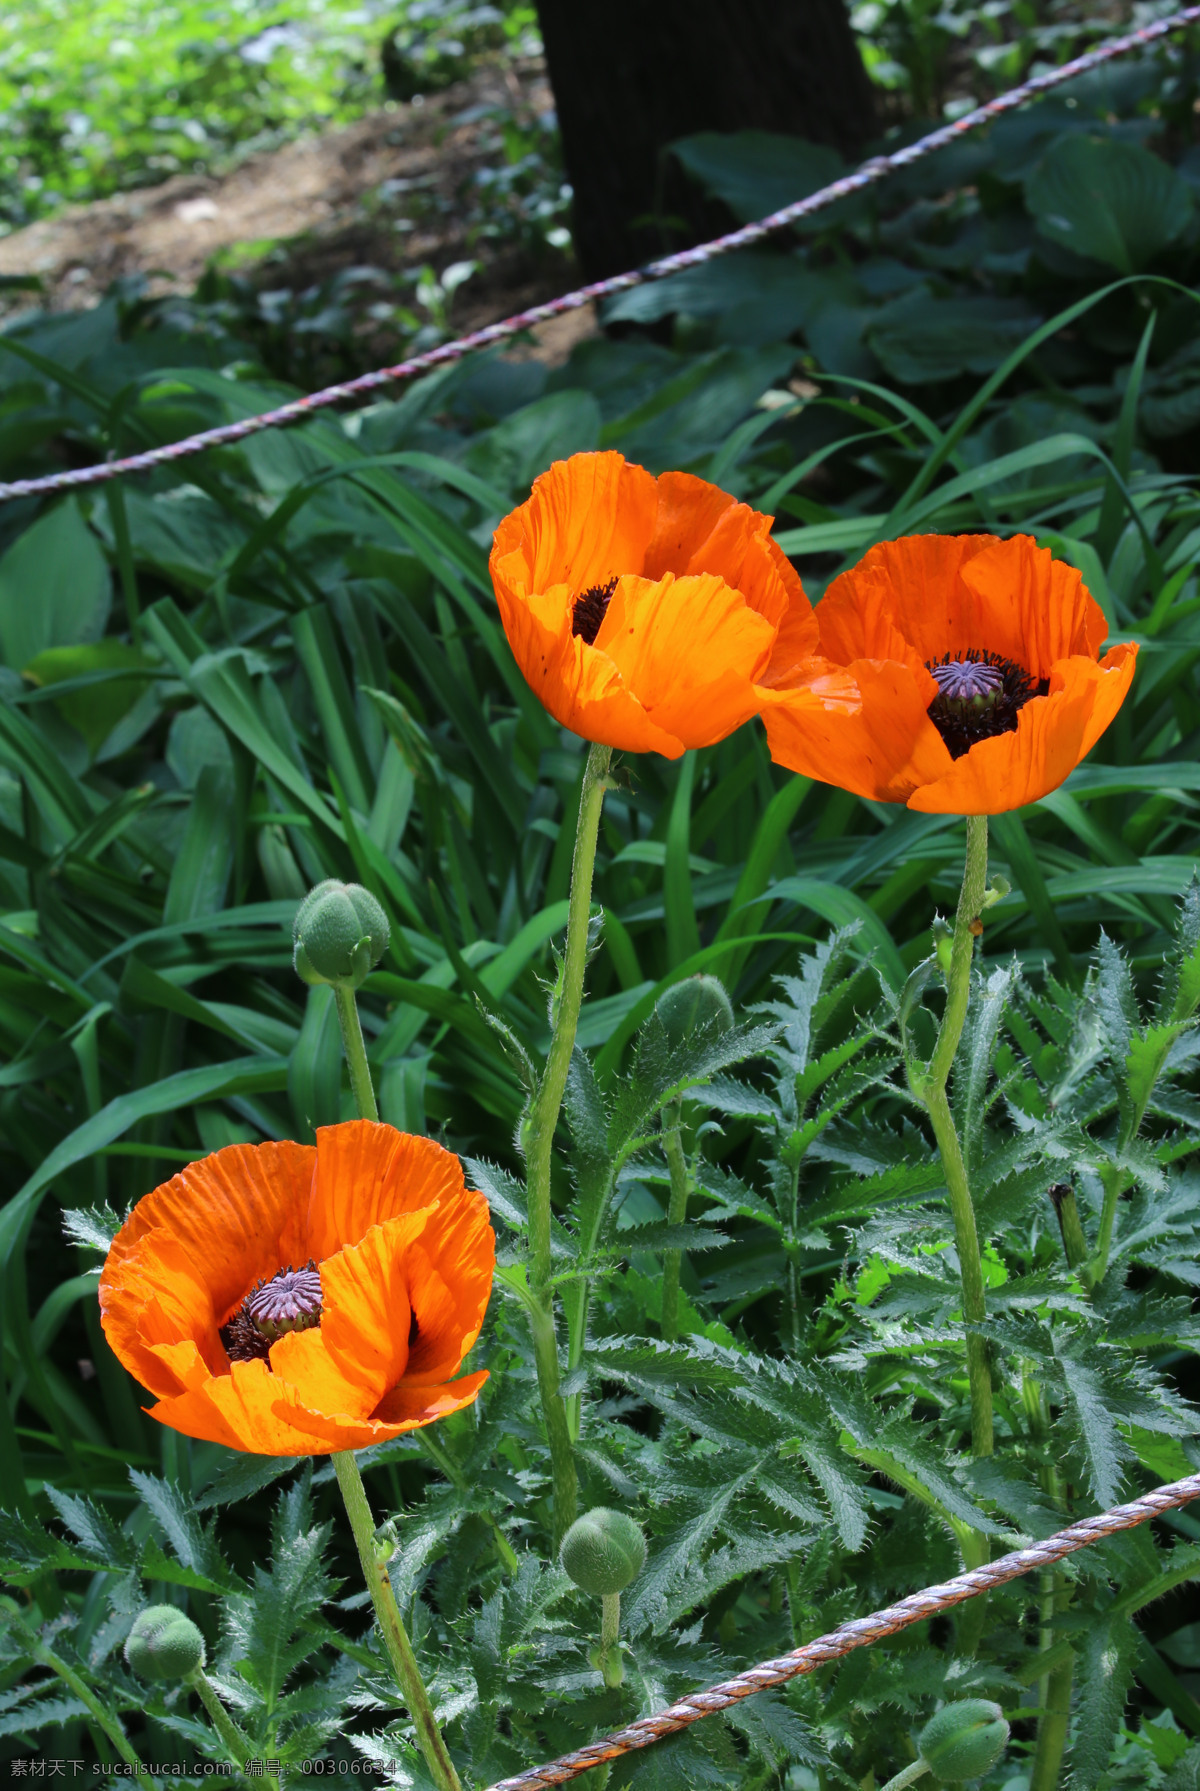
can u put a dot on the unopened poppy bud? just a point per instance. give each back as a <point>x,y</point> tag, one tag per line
<point>603,1551</point>
<point>963,1741</point>
<point>164,1644</point>
<point>695,1002</point>
<point>340,934</point>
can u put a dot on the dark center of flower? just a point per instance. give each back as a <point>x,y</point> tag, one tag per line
<point>590,610</point>
<point>289,1301</point>
<point>979,696</point>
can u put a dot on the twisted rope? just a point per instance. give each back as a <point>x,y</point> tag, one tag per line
<point>860,1632</point>
<point>868,175</point>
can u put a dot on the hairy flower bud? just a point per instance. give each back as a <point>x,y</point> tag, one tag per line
<point>164,1644</point>
<point>695,1002</point>
<point>340,934</point>
<point>603,1551</point>
<point>965,1740</point>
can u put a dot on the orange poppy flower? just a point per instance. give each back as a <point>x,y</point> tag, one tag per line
<point>200,1300</point>
<point>959,674</point>
<point>643,611</point>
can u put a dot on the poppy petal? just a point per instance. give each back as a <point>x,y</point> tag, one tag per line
<point>587,520</point>
<point>237,1215</point>
<point>905,600</point>
<point>863,727</point>
<point>407,1407</point>
<point>156,1296</point>
<point>584,690</point>
<point>360,1348</point>
<point>367,1173</point>
<point>690,649</point>
<point>450,1279</point>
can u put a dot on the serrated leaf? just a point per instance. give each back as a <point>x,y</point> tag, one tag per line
<point>195,1546</point>
<point>93,1227</point>
<point>1105,1676</point>
<point>1180,994</point>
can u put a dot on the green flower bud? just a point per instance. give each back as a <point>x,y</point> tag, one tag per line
<point>603,1551</point>
<point>164,1644</point>
<point>696,1001</point>
<point>340,934</point>
<point>963,1741</point>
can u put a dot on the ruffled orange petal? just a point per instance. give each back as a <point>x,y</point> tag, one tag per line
<point>587,520</point>
<point>583,690</point>
<point>360,1349</point>
<point>1111,692</point>
<point>1032,608</point>
<point>450,1279</point>
<point>408,1407</point>
<point>236,1215</point>
<point>1051,736</point>
<point>905,600</point>
<point>367,1173</point>
<point>154,1300</point>
<point>862,727</point>
<point>690,649</point>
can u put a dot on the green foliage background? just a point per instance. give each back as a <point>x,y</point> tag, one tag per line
<point>282,662</point>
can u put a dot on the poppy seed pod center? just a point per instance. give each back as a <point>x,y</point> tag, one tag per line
<point>590,609</point>
<point>979,695</point>
<point>289,1301</point>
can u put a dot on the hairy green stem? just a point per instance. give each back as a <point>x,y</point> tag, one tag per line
<point>611,1664</point>
<point>562,1459</point>
<point>543,1116</point>
<point>237,1746</point>
<point>539,1135</point>
<point>391,1625</point>
<point>1115,1184</point>
<point>1053,1724</point>
<point>106,1719</point>
<point>909,1776</point>
<point>962,1209</point>
<point>676,1215</point>
<point>356,1054</point>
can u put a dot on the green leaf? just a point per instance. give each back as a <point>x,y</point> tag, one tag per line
<point>757,172</point>
<point>1108,200</point>
<point>106,686</point>
<point>1106,1673</point>
<point>919,339</point>
<point>55,588</point>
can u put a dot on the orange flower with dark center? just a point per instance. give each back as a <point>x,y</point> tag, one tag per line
<point>200,1300</point>
<point>644,611</point>
<point>959,674</point>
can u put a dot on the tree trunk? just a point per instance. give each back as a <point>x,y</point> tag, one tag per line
<point>630,76</point>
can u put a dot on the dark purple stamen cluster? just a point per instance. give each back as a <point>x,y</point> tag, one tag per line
<point>980,695</point>
<point>590,610</point>
<point>289,1301</point>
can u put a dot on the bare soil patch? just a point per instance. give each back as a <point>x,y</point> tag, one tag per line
<point>398,191</point>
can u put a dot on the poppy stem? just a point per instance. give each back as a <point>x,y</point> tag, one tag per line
<point>676,1215</point>
<point>236,1744</point>
<point>356,1053</point>
<point>933,1092</point>
<point>105,1719</point>
<point>540,1127</point>
<point>391,1624</point>
<point>909,1776</point>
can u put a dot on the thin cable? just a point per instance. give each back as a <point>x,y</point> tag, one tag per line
<point>870,173</point>
<point>860,1632</point>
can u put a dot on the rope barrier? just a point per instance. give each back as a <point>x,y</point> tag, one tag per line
<point>867,175</point>
<point>860,1632</point>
